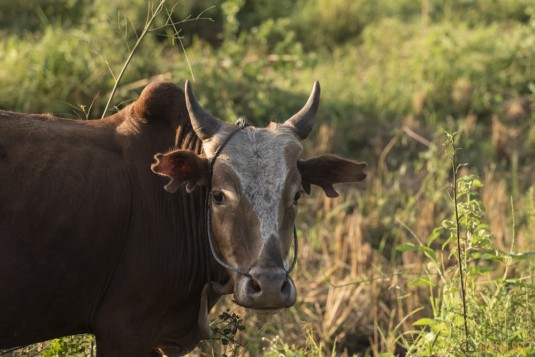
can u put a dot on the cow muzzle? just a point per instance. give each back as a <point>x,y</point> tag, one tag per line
<point>265,289</point>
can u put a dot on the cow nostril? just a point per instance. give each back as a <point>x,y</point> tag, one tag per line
<point>253,287</point>
<point>285,286</point>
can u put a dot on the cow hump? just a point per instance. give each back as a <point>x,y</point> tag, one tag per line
<point>160,101</point>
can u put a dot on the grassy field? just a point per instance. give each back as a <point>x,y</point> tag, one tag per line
<point>438,96</point>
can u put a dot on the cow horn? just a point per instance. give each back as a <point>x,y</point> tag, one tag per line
<point>302,121</point>
<point>204,124</point>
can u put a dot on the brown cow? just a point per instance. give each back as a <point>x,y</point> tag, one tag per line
<point>91,243</point>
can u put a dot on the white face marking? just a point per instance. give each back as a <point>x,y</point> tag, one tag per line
<point>259,160</point>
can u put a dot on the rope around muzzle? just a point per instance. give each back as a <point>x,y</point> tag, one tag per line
<point>242,124</point>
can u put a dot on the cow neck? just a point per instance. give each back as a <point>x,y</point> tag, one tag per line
<point>242,124</point>
<point>187,139</point>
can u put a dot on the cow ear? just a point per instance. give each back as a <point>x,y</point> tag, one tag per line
<point>183,167</point>
<point>326,170</point>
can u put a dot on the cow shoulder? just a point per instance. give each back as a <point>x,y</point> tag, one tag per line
<point>160,101</point>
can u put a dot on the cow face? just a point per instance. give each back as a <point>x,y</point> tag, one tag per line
<point>255,185</point>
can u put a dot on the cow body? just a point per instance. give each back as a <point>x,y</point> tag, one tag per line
<point>91,243</point>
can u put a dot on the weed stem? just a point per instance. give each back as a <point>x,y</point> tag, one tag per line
<point>131,54</point>
<point>457,223</point>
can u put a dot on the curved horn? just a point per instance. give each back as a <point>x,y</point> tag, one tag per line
<point>302,121</point>
<point>204,124</point>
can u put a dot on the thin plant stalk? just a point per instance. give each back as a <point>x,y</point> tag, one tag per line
<point>131,54</point>
<point>459,253</point>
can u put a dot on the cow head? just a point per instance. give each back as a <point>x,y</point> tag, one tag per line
<point>255,187</point>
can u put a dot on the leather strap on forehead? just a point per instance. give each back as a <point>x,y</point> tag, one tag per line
<point>242,124</point>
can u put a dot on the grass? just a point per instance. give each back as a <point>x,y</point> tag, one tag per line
<point>375,274</point>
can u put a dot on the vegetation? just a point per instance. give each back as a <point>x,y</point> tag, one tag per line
<point>381,267</point>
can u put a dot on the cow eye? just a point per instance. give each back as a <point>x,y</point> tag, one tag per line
<point>297,196</point>
<point>218,197</point>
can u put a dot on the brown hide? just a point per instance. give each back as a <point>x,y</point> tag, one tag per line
<point>89,241</point>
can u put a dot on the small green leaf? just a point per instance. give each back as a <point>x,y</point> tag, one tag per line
<point>480,269</point>
<point>489,256</point>
<point>430,253</point>
<point>521,256</point>
<point>406,247</point>
<point>477,183</point>
<point>481,226</point>
<point>448,241</point>
<point>425,322</point>
<point>447,224</point>
<point>434,235</point>
<point>422,282</point>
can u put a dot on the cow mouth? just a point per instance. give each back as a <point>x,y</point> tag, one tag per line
<point>261,311</point>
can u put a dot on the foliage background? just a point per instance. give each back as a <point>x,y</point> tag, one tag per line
<point>395,76</point>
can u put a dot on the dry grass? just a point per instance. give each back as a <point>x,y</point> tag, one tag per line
<point>355,296</point>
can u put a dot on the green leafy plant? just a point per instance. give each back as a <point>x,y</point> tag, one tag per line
<point>474,308</point>
<point>79,345</point>
<point>224,334</point>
